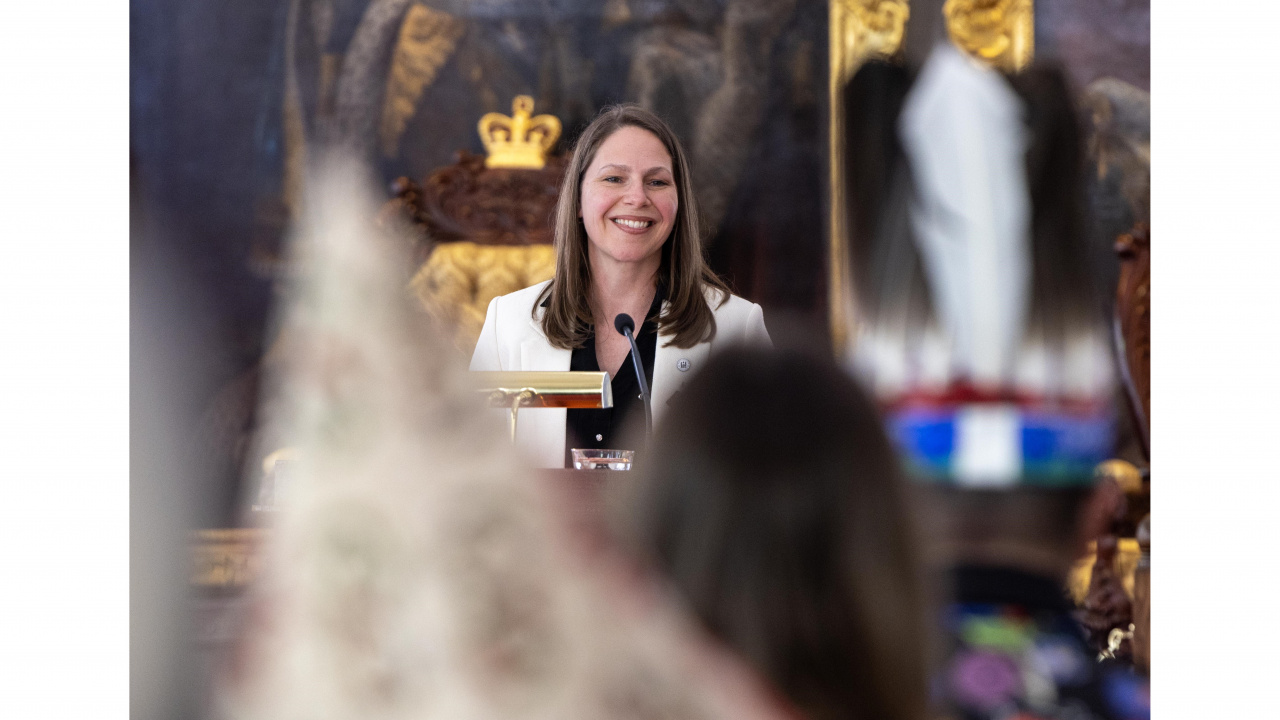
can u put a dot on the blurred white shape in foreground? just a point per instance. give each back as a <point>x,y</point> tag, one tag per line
<point>415,570</point>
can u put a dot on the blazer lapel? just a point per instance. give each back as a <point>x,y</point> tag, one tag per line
<point>672,367</point>
<point>538,354</point>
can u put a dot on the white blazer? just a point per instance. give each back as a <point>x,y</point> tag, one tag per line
<point>512,339</point>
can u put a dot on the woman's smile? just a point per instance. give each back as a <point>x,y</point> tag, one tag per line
<point>631,224</point>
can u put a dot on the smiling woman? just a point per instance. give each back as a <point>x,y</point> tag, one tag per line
<point>627,240</point>
<point>629,202</point>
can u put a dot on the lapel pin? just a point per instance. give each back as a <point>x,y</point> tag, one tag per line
<point>682,364</point>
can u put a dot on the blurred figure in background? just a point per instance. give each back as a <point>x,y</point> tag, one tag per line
<point>979,335</point>
<point>773,502</point>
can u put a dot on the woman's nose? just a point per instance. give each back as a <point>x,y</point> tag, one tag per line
<point>636,195</point>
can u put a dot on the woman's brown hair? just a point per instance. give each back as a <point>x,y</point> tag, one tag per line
<point>684,271</point>
<point>772,500</point>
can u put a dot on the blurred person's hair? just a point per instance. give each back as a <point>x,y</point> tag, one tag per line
<point>1061,290</point>
<point>687,319</point>
<point>773,501</point>
<point>887,268</point>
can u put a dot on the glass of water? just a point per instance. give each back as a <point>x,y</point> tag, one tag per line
<point>591,459</point>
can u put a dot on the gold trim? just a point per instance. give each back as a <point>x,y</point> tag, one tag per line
<point>426,42</point>
<point>998,32</point>
<point>547,389</point>
<point>1126,475</point>
<point>225,558</point>
<point>1128,554</point>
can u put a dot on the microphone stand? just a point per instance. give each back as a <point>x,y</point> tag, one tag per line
<point>626,326</point>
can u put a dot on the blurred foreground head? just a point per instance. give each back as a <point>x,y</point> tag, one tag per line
<point>772,499</point>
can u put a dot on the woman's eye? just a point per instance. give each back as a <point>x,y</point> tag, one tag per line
<point>659,183</point>
<point>613,179</point>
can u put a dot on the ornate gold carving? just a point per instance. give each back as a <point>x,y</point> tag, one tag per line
<point>859,31</point>
<point>226,558</point>
<point>484,232</point>
<point>998,32</point>
<point>427,40</point>
<point>1127,477</point>
<point>457,282</point>
<point>519,141</point>
<point>1126,562</point>
<point>869,28</point>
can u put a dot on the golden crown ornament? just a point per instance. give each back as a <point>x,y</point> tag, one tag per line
<point>519,141</point>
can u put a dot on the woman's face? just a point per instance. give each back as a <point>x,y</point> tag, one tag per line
<point>629,199</point>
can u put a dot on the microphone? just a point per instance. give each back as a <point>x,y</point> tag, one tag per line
<point>626,326</point>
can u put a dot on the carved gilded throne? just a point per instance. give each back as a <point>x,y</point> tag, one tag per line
<point>485,222</point>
